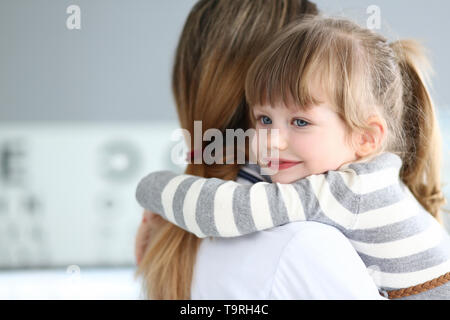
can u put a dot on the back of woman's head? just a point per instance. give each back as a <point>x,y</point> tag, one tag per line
<point>362,76</point>
<point>219,41</point>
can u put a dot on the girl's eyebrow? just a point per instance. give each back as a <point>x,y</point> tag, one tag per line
<point>292,111</point>
<point>260,109</point>
<point>301,112</point>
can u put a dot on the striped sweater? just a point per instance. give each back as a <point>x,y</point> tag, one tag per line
<point>400,242</point>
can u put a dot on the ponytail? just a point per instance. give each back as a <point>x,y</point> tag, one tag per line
<point>167,267</point>
<point>219,41</point>
<point>163,280</point>
<point>422,141</point>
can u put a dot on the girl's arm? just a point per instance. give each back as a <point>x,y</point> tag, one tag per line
<point>220,208</point>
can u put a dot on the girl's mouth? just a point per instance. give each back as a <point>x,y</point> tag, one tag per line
<point>281,165</point>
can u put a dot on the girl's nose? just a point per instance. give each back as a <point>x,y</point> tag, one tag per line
<point>278,139</point>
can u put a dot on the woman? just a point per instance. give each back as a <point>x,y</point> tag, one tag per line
<point>220,40</point>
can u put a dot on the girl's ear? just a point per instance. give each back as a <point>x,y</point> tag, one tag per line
<point>369,141</point>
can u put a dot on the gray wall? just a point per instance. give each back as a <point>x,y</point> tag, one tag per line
<point>117,67</point>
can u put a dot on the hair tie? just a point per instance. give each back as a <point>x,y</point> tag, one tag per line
<point>193,155</point>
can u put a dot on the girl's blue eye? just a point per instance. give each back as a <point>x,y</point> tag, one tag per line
<point>265,120</point>
<point>300,123</point>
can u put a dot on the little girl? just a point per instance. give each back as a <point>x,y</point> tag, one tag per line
<point>358,149</point>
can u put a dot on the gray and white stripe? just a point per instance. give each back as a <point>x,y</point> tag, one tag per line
<point>366,201</point>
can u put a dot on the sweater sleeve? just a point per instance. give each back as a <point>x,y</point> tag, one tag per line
<point>220,208</point>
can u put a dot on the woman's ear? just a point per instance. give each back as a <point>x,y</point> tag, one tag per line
<point>369,141</point>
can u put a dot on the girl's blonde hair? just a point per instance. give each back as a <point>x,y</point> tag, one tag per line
<point>362,75</point>
<point>220,40</point>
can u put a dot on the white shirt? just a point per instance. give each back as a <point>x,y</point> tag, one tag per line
<point>299,260</point>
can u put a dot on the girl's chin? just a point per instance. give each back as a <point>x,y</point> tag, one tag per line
<point>285,179</point>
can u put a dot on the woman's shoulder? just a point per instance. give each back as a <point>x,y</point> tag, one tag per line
<point>301,260</point>
<point>329,266</point>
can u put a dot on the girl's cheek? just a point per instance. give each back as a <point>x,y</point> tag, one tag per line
<point>305,142</point>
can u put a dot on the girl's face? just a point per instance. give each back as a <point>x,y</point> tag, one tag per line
<point>309,142</point>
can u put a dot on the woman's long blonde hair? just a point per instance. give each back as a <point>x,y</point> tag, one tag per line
<point>362,76</point>
<point>220,40</point>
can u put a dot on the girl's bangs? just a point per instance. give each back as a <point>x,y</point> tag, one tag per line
<point>301,65</point>
<point>279,81</point>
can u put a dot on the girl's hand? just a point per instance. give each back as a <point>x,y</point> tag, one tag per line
<point>150,222</point>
